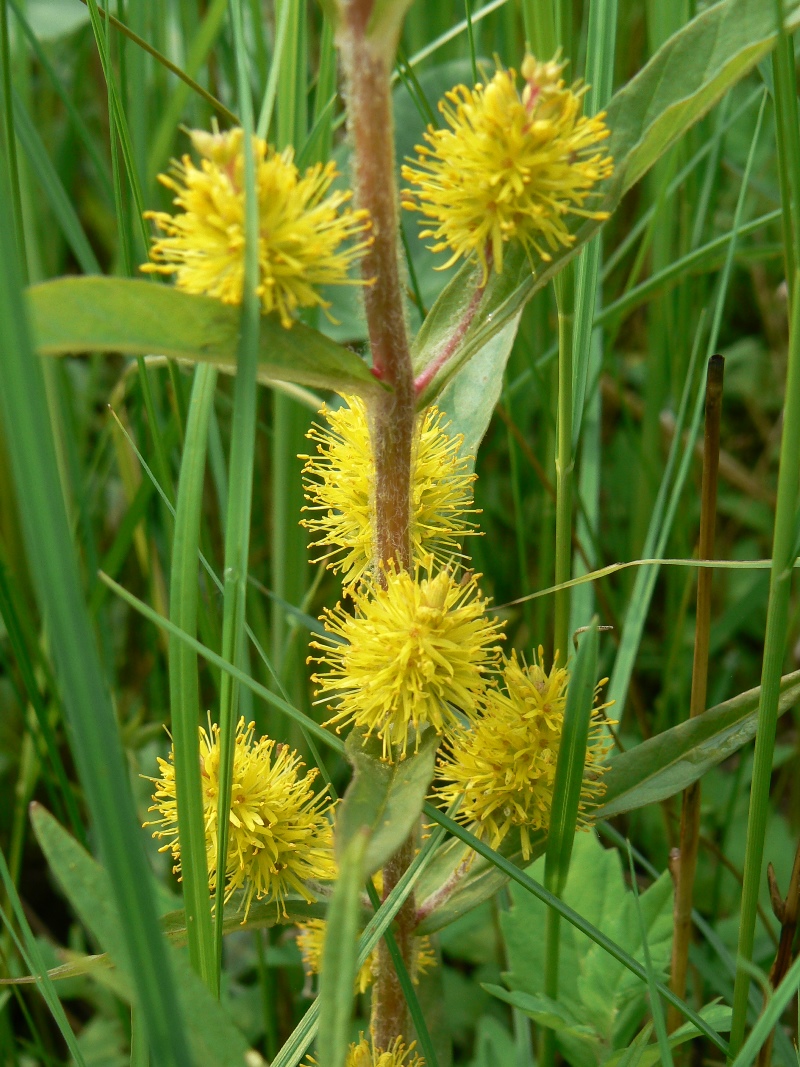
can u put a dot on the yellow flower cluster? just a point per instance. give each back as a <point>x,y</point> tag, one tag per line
<point>362,1054</point>
<point>416,652</point>
<point>441,490</point>
<point>311,940</point>
<point>279,834</point>
<point>306,237</point>
<point>503,767</point>
<point>508,166</point>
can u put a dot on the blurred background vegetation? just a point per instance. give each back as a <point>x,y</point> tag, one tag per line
<point>663,251</point>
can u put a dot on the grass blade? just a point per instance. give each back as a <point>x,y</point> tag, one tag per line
<point>183,681</point>
<point>96,742</point>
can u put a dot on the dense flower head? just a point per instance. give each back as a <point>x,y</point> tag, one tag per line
<point>503,767</point>
<point>279,833</point>
<point>362,1054</point>
<point>311,939</point>
<point>340,489</point>
<point>415,653</point>
<point>508,166</point>
<point>307,237</point>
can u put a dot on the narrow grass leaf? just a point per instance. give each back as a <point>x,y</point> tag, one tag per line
<point>183,680</point>
<point>214,1040</point>
<point>96,743</point>
<point>578,921</point>
<point>240,473</point>
<point>774,652</point>
<point>338,973</point>
<point>571,761</point>
<point>656,1007</point>
<point>31,955</point>
<point>53,189</point>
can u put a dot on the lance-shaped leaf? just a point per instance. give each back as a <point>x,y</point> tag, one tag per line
<point>214,1040</point>
<point>680,83</point>
<point>669,762</point>
<point>74,315</point>
<point>659,768</point>
<point>385,799</point>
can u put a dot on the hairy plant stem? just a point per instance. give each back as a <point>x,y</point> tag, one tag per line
<point>367,67</point>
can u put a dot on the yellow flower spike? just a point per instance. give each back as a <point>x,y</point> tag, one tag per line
<point>503,768</point>
<point>508,166</point>
<point>363,1054</point>
<point>414,652</point>
<point>340,489</point>
<point>303,226</point>
<point>311,939</point>
<point>280,832</point>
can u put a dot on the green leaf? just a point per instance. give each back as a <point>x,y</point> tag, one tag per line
<point>471,395</point>
<point>262,913</point>
<point>383,799</point>
<point>716,1015</point>
<point>72,315</point>
<point>594,988</point>
<point>681,82</point>
<point>214,1040</point>
<point>669,762</point>
<point>544,1010</point>
<point>453,305</point>
<point>571,761</point>
<point>183,679</point>
<point>339,955</point>
<point>93,734</point>
<point>477,878</point>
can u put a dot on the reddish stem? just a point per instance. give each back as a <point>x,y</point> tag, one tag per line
<point>423,380</point>
<point>367,67</point>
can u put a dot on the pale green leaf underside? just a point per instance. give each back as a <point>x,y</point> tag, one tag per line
<point>75,315</point>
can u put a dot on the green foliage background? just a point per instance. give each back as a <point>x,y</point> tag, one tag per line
<point>672,283</point>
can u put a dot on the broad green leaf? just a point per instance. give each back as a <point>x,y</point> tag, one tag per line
<point>594,989</point>
<point>669,762</point>
<point>339,954</point>
<point>716,1015</point>
<point>681,82</point>
<point>384,799</point>
<point>214,1040</point>
<point>543,1010</point>
<point>470,397</point>
<point>73,315</point>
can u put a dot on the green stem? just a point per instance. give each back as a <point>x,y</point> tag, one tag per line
<point>183,681</point>
<point>774,651</point>
<point>240,496</point>
<point>788,141</point>
<point>565,461</point>
<point>11,138</point>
